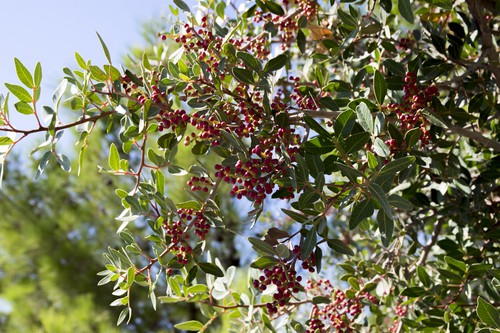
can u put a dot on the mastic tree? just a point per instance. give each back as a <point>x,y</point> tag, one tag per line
<point>360,140</point>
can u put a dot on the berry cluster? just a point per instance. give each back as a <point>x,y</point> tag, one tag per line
<point>176,230</point>
<point>340,312</point>
<point>200,184</point>
<point>405,43</point>
<point>400,311</point>
<point>171,119</point>
<point>285,279</point>
<point>309,263</point>
<point>416,98</point>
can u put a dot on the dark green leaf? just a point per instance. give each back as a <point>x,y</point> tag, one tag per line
<point>350,172</point>
<point>356,141</point>
<point>344,123</point>
<point>379,87</point>
<point>321,300</point>
<point>250,61</point>
<point>361,210</point>
<point>183,6</point>
<point>274,8</point>
<point>487,313</point>
<point>318,145</point>
<point>412,137</point>
<point>264,262</point>
<point>275,63</point>
<point>424,276</point>
<point>301,41</point>
<point>386,227</point>
<point>315,126</point>
<point>339,246</point>
<point>405,10</point>
<point>295,216</point>
<point>211,268</point>
<point>399,202</point>
<point>243,75</point>
<point>379,195</point>
<point>456,264</point>
<point>413,291</point>
<point>395,67</point>
<point>261,246</point>
<point>397,165</point>
<point>309,244</point>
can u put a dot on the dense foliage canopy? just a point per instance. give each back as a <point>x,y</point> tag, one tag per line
<point>359,142</point>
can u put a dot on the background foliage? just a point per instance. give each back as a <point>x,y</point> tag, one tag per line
<point>358,143</point>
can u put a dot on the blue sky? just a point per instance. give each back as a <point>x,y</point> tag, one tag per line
<point>51,31</point>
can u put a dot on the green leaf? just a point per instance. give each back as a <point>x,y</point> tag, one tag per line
<point>250,61</point>
<point>412,137</point>
<point>315,126</point>
<point>19,92</point>
<point>167,299</point>
<point>397,165</point>
<point>321,300</point>
<point>379,87</point>
<point>386,227</point>
<point>80,61</point>
<point>318,145</point>
<point>5,141</point>
<point>183,6</point>
<point>433,118</point>
<point>395,67</point>
<point>379,195</point>
<point>361,210</point>
<point>38,74</point>
<point>309,244</point>
<point>64,162</point>
<point>339,246</point>
<point>365,118</point>
<point>296,216</point>
<point>405,10</point>
<point>413,291</point>
<point>380,148</point>
<point>275,63</point>
<point>24,74</point>
<point>191,325</point>
<point>356,141</point>
<point>114,158</point>
<point>104,48</point>
<point>399,202</point>
<point>211,268</point>
<point>243,75</point>
<point>372,160</point>
<point>24,108</point>
<point>487,313</point>
<point>424,276</point>
<point>264,262</point>
<point>349,172</point>
<point>456,264</point>
<point>261,246</point>
<point>274,8</point>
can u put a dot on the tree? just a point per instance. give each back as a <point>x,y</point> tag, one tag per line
<point>373,127</point>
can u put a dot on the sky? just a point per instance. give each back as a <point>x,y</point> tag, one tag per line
<point>51,31</point>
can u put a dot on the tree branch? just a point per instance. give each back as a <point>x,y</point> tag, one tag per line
<point>490,143</point>
<point>486,38</point>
